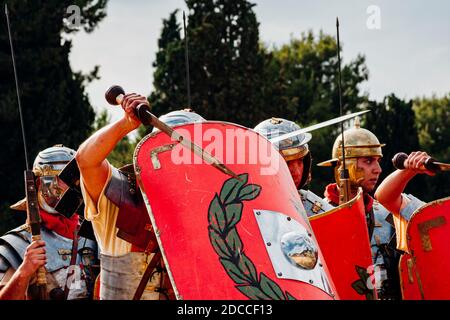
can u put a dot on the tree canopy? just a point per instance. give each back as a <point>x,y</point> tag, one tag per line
<point>56,109</point>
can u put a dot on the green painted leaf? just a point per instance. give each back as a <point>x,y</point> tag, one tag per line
<point>219,244</point>
<point>249,192</point>
<point>224,214</point>
<point>271,288</point>
<point>359,286</point>
<point>231,188</point>
<point>290,296</point>
<point>370,295</point>
<point>216,215</point>
<point>233,214</point>
<point>248,268</point>
<point>234,272</point>
<point>362,273</point>
<point>234,242</point>
<point>254,293</point>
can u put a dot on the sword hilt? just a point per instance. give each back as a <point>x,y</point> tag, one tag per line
<point>430,164</point>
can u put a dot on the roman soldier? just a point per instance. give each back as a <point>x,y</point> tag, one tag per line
<point>362,155</point>
<point>297,155</point>
<point>131,263</point>
<point>69,259</point>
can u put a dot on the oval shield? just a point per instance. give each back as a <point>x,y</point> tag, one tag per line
<point>222,237</point>
<point>428,235</point>
<point>344,240</point>
<point>408,278</point>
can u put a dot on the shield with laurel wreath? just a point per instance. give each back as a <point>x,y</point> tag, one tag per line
<point>222,237</point>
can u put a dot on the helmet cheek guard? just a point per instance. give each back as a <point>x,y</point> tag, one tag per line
<point>359,142</point>
<point>356,174</point>
<point>306,178</point>
<point>46,167</point>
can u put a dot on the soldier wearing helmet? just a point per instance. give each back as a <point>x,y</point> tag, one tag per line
<point>116,208</point>
<point>19,259</point>
<point>362,155</point>
<point>297,155</point>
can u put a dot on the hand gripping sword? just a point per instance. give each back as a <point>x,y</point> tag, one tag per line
<point>430,164</point>
<point>115,94</point>
<point>33,217</point>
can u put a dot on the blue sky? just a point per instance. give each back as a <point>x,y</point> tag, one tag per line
<point>409,54</point>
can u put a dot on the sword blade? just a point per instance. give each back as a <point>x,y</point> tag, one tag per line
<point>442,166</point>
<point>206,156</point>
<point>317,126</point>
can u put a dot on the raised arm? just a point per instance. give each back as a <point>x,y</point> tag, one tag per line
<point>389,193</point>
<point>91,155</point>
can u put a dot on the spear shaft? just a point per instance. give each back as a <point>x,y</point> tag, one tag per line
<point>33,216</point>
<point>344,188</point>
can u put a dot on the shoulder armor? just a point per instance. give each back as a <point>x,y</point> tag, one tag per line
<point>13,245</point>
<point>411,207</point>
<point>314,204</point>
<point>122,188</point>
<point>8,258</point>
<point>133,220</point>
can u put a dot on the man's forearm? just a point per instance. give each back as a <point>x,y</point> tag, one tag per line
<point>97,147</point>
<point>16,287</point>
<point>389,193</point>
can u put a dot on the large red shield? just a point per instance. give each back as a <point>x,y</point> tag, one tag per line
<point>223,237</point>
<point>428,235</point>
<point>408,278</point>
<point>344,240</point>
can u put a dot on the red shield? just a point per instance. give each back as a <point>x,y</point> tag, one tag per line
<point>428,235</point>
<point>213,229</point>
<point>408,278</point>
<point>344,240</point>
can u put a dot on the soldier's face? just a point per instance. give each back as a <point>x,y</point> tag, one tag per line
<point>372,171</point>
<point>296,170</point>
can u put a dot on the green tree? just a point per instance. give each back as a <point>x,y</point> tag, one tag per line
<point>234,78</point>
<point>301,85</point>
<point>226,65</point>
<point>55,106</point>
<point>433,125</point>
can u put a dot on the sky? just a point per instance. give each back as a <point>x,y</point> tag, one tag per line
<point>406,42</point>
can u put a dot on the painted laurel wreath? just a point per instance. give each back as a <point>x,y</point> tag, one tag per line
<point>225,212</point>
